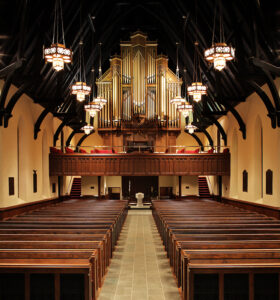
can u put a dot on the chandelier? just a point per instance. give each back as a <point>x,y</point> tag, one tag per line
<point>197,89</point>
<point>100,101</point>
<point>178,99</point>
<point>219,53</point>
<point>185,108</point>
<point>190,128</point>
<point>57,53</point>
<point>92,108</point>
<point>80,88</point>
<point>87,128</point>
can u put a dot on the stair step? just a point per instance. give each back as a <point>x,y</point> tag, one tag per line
<point>76,188</point>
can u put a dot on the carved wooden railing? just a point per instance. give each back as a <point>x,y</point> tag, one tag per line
<point>139,164</point>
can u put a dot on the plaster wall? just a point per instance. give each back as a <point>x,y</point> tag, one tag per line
<point>21,155</point>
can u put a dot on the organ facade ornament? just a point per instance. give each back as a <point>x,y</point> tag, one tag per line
<point>138,86</point>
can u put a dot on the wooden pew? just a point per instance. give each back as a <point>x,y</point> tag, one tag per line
<point>31,264</point>
<point>188,226</point>
<point>62,233</point>
<point>219,264</point>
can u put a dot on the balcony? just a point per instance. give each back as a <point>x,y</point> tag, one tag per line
<point>139,163</point>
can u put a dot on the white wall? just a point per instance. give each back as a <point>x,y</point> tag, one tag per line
<point>245,154</point>
<point>18,160</point>
<point>189,185</point>
<point>89,185</point>
<point>113,181</point>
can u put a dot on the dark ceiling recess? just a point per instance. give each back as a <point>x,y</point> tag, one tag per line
<point>252,27</point>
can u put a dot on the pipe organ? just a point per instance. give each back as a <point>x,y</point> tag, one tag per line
<point>138,86</point>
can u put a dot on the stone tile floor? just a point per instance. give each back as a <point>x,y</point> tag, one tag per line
<point>139,269</point>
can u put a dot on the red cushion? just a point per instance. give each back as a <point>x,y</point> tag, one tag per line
<point>55,150</point>
<point>211,150</point>
<point>192,151</point>
<point>101,151</point>
<point>226,150</point>
<point>166,151</point>
<point>69,150</point>
<point>105,151</point>
<point>82,151</point>
<point>181,151</point>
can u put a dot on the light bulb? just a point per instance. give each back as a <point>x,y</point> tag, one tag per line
<point>196,97</point>
<point>191,130</point>
<point>87,131</point>
<point>92,113</point>
<point>58,63</point>
<point>219,63</point>
<point>80,96</point>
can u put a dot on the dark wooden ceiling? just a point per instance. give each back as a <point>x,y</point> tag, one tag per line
<point>251,26</point>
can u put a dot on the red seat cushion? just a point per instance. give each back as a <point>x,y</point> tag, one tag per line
<point>181,151</point>
<point>105,151</point>
<point>211,151</point>
<point>101,151</point>
<point>166,151</point>
<point>192,151</point>
<point>226,150</point>
<point>69,150</point>
<point>55,150</point>
<point>82,151</point>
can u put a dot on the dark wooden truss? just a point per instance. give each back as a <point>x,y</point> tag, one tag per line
<point>252,27</point>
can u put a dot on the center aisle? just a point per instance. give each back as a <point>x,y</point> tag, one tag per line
<point>139,269</point>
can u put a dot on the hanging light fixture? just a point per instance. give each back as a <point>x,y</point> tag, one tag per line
<point>80,88</point>
<point>177,100</point>
<point>185,108</point>
<point>190,128</point>
<point>87,128</point>
<point>100,101</point>
<point>57,53</point>
<point>92,108</point>
<point>197,89</point>
<point>219,53</point>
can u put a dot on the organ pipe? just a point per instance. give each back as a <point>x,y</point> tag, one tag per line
<point>138,82</point>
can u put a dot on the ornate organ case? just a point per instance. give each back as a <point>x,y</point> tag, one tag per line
<point>138,87</point>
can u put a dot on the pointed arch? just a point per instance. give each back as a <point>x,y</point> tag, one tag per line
<point>234,165</point>
<point>258,159</point>
<point>45,165</point>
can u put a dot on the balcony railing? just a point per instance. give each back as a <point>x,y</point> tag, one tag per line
<point>141,162</point>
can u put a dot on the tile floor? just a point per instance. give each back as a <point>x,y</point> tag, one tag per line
<point>139,269</point>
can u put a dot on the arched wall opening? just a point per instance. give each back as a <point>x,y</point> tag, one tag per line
<point>22,154</point>
<point>45,166</point>
<point>234,165</point>
<point>258,160</point>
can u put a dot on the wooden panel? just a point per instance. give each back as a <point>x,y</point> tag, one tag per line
<point>139,164</point>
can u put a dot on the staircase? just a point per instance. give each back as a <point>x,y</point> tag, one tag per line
<point>203,187</point>
<point>76,188</point>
